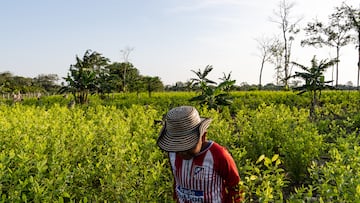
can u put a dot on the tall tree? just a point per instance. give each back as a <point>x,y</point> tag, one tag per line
<point>334,34</point>
<point>104,83</point>
<point>4,82</point>
<point>268,47</point>
<point>47,82</point>
<point>117,70</point>
<point>288,31</point>
<point>353,15</point>
<point>125,53</point>
<point>277,58</point>
<point>152,84</point>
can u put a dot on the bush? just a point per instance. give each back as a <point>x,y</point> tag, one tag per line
<point>280,130</point>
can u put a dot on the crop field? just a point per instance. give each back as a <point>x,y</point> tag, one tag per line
<point>105,151</point>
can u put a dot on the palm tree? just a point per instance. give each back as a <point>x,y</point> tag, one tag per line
<point>314,80</point>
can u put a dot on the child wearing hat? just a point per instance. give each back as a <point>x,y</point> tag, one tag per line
<point>203,170</point>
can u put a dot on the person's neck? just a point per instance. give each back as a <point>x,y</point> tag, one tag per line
<point>204,145</point>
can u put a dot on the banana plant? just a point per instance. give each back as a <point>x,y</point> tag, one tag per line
<point>202,79</point>
<point>314,80</point>
<point>83,78</point>
<point>227,78</point>
<point>212,96</point>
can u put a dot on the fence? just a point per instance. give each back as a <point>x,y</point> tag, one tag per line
<point>20,96</point>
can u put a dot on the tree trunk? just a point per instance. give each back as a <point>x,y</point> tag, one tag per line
<point>261,70</point>
<point>337,66</point>
<point>313,105</point>
<point>286,62</point>
<point>124,78</point>
<point>358,76</point>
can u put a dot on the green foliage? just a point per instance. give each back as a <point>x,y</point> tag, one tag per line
<point>47,82</point>
<point>123,76</point>
<point>334,34</point>
<point>202,79</point>
<point>83,78</point>
<point>314,75</point>
<point>264,180</point>
<point>96,154</point>
<point>214,97</point>
<point>93,74</point>
<point>280,130</point>
<point>314,80</point>
<point>105,151</point>
<point>15,84</point>
<point>152,84</point>
<point>337,179</point>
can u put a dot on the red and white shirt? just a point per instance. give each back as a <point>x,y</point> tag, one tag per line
<point>205,177</point>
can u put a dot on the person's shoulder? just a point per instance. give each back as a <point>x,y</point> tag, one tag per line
<point>221,155</point>
<point>217,148</point>
<point>217,145</point>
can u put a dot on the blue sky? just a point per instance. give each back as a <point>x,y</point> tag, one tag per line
<point>169,38</point>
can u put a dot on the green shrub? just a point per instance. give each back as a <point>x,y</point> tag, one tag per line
<point>264,180</point>
<point>280,130</point>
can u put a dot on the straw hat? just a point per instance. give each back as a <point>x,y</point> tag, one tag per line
<point>182,129</point>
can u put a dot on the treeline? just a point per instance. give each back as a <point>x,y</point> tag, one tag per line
<point>95,74</point>
<point>49,83</point>
<point>13,84</point>
<point>91,74</point>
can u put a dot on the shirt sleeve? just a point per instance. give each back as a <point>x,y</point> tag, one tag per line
<point>228,171</point>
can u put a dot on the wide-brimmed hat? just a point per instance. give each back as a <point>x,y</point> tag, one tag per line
<point>182,129</point>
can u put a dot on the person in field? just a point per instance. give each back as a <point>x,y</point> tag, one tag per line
<point>203,170</point>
